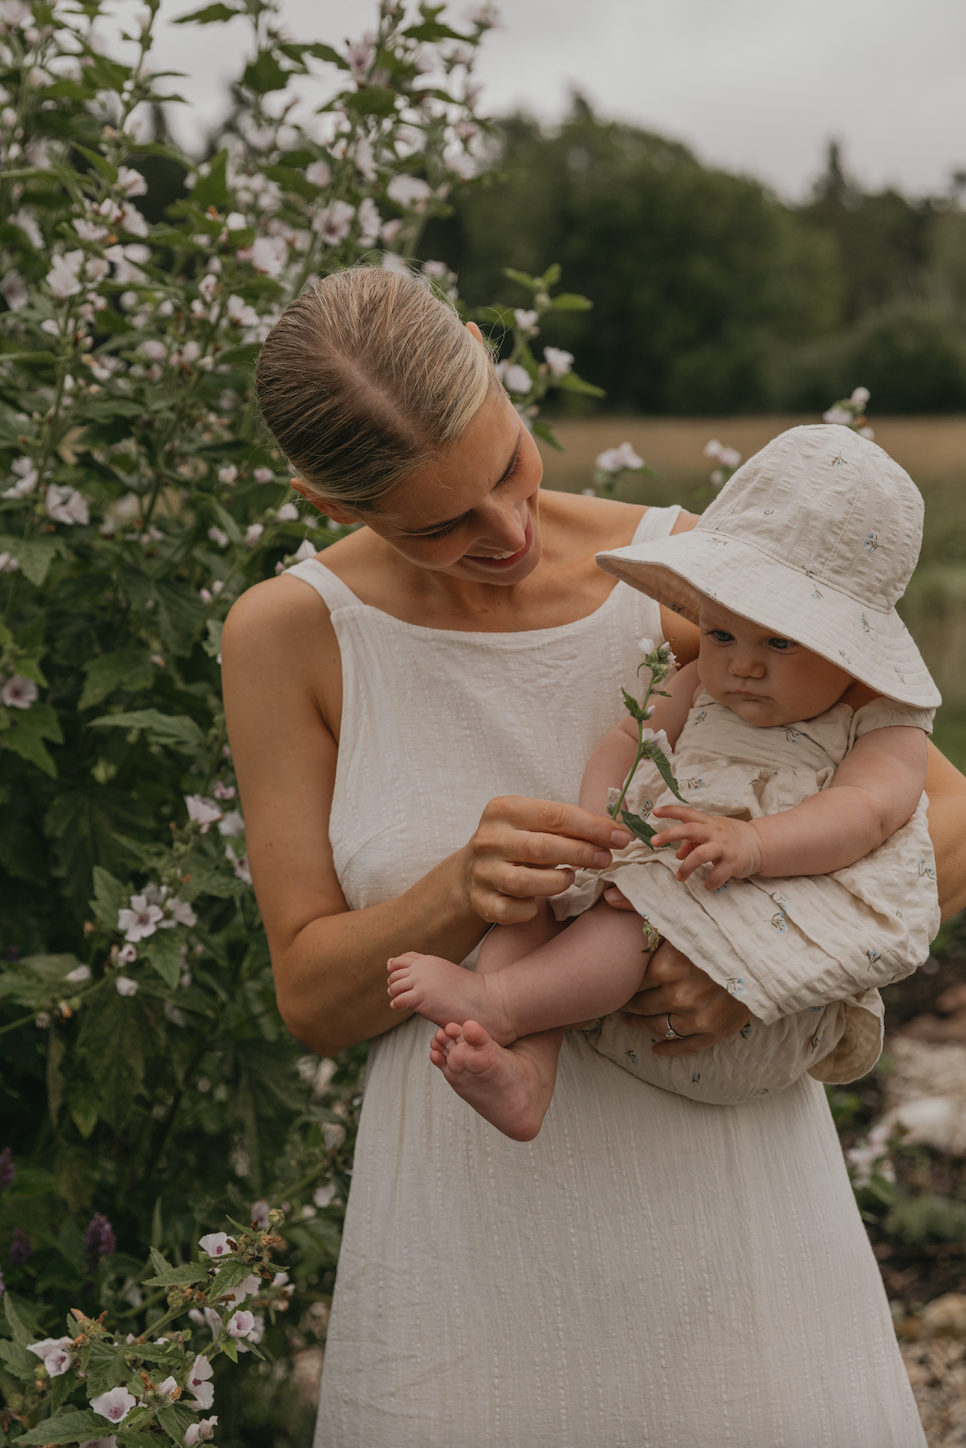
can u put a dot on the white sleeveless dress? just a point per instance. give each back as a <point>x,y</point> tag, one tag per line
<point>650,1272</point>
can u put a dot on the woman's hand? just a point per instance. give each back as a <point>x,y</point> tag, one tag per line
<point>701,1011</point>
<point>512,859</point>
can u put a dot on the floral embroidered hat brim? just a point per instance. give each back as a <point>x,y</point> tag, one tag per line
<point>816,537</point>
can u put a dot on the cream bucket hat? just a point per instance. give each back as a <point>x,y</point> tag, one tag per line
<point>816,537</point>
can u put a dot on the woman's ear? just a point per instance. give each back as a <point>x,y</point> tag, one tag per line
<point>325,506</point>
<point>474,331</point>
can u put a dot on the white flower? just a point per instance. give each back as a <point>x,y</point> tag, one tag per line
<point>57,1362</point>
<point>132,221</point>
<point>91,230</point>
<point>370,222</point>
<point>114,1405</point>
<point>67,505</point>
<point>239,864</point>
<point>868,433</point>
<point>227,474</point>
<point>79,975</point>
<point>231,824</point>
<point>28,225</point>
<point>8,564</point>
<point>334,222</point>
<point>62,277</point>
<point>559,362</point>
<point>200,1432</point>
<point>173,1014</point>
<point>47,1345</point>
<point>203,812</point>
<point>288,513</point>
<point>204,1395</point>
<point>392,262</point>
<point>18,693</point>
<point>127,954</point>
<point>170,1385</point>
<point>241,1323</point>
<point>223,791</point>
<point>837,414</point>
<point>323,1196</point>
<point>263,475</point>
<point>131,182</point>
<point>181,912</point>
<point>208,286</point>
<point>360,56</point>
<point>646,646</point>
<point>216,1244</point>
<point>259,1215</point>
<point>517,379</point>
<point>524,319</point>
<point>408,191</point>
<point>252,534</point>
<point>141,920</point>
<point>14,290</point>
<point>269,255</point>
<point>26,474</point>
<point>659,740</point>
<point>860,396</point>
<point>390,231</point>
<point>219,536</point>
<point>241,313</point>
<point>305,550</point>
<point>318,173</point>
<point>125,986</point>
<point>201,1371</point>
<point>246,1288</point>
<point>616,459</point>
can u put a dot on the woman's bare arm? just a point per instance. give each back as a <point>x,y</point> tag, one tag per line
<point>946,792</point>
<point>280,665</point>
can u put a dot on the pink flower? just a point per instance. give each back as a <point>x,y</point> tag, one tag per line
<point>204,1396</point>
<point>334,222</point>
<point>127,955</point>
<point>409,191</point>
<point>263,475</point>
<point>201,1371</point>
<point>241,1323</point>
<point>616,459</point>
<point>269,255</point>
<point>13,288</point>
<point>219,536</point>
<point>62,277</point>
<point>246,1288</point>
<point>370,222</point>
<point>252,533</point>
<point>114,1405</point>
<point>259,1216</point>
<point>288,513</point>
<point>131,182</point>
<point>227,474</point>
<point>360,56</point>
<point>318,173</point>
<point>241,313</point>
<point>231,824</point>
<point>19,693</point>
<point>517,379</point>
<point>201,811</point>
<point>48,1345</point>
<point>141,920</point>
<point>125,986</point>
<point>223,791</point>
<point>239,864</point>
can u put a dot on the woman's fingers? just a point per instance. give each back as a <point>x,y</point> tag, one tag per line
<point>616,899</point>
<point>700,1009</point>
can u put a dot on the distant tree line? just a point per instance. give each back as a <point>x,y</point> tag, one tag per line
<point>711,295</point>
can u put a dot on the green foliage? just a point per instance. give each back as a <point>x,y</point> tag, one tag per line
<point>918,1221</point>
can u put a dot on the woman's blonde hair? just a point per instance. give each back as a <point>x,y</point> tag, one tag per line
<point>364,379</point>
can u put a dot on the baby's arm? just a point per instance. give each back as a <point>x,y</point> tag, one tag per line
<point>608,766</point>
<point>873,793</point>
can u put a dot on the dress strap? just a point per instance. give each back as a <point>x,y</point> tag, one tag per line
<point>330,589</point>
<point>656,523</point>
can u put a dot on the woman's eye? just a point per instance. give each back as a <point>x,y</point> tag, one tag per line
<point>441,533</point>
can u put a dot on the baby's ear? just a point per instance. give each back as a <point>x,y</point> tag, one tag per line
<point>857,695</point>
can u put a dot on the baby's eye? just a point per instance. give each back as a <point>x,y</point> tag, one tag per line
<point>721,636</point>
<point>780,644</point>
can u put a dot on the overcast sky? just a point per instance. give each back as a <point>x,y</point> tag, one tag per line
<point>753,85</point>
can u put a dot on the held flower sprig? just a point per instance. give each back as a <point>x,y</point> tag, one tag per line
<point>659,660</point>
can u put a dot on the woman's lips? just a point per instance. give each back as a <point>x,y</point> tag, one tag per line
<point>512,560</point>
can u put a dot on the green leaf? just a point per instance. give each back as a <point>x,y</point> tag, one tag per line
<point>108,672</point>
<point>544,430</point>
<point>663,766</point>
<point>208,15</point>
<point>570,382</point>
<point>522,279</point>
<point>212,644</point>
<point>171,731</point>
<point>34,557</point>
<point>18,1360</point>
<point>68,1426</point>
<point>264,74</point>
<point>570,302</point>
<point>102,164</point>
<point>110,896</point>
<point>26,731</point>
<point>431,31</point>
<point>106,1368</point>
<point>163,950</point>
<point>634,707</point>
<point>317,50</point>
<point>212,190</point>
<point>229,1349</point>
<point>371,100</point>
<point>56,1051</point>
<point>20,1320</point>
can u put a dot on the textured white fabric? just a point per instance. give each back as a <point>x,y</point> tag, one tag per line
<point>649,1273</point>
<point>867,925</point>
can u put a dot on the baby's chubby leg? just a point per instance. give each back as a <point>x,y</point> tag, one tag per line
<point>506,944</point>
<point>588,970</point>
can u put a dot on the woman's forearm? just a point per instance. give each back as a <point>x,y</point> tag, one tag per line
<point>331,978</point>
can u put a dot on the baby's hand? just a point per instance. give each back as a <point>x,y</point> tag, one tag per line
<point>732,846</point>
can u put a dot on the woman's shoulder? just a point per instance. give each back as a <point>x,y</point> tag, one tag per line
<point>602,523</point>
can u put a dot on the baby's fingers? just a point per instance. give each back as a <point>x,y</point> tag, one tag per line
<point>703,855</point>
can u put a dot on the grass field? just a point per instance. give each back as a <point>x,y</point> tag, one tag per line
<point>932,450</point>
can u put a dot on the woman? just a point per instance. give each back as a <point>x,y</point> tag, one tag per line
<point>649,1271</point>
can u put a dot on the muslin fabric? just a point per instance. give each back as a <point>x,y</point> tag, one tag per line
<point>648,1273</point>
<point>875,920</point>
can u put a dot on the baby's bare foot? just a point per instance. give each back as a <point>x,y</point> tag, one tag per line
<point>443,992</point>
<point>506,1086</point>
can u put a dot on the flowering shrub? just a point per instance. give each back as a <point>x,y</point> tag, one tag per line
<point>150,1087</point>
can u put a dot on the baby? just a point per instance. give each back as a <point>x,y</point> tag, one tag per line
<point>801,730</point>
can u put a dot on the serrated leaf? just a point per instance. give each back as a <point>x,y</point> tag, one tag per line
<point>570,382</point>
<point>184,1276</point>
<point>431,31</point>
<point>317,49</point>
<point>107,672</point>
<point>264,74</point>
<point>371,100</point>
<point>171,731</point>
<point>101,162</point>
<point>662,764</point>
<point>212,190</point>
<point>110,896</point>
<point>18,1360</point>
<point>229,1349</point>
<point>25,734</point>
<point>163,950</point>
<point>69,1426</point>
<point>634,707</point>
<point>20,1320</point>
<point>207,15</point>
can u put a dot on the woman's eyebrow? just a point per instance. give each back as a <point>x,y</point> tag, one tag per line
<point>451,522</point>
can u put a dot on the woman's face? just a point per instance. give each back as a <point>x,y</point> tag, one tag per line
<point>472,512</point>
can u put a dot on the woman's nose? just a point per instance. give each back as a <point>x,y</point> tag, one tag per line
<point>504,528</point>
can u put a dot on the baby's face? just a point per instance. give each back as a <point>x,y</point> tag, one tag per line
<point>765,679</point>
